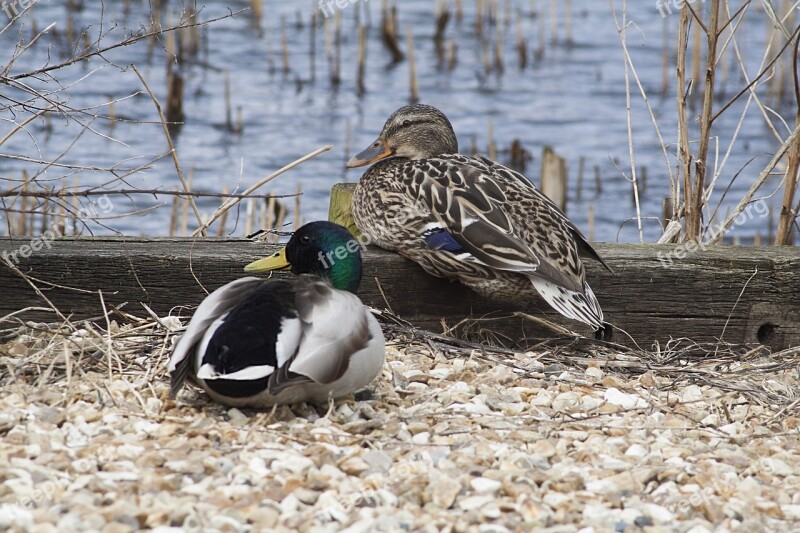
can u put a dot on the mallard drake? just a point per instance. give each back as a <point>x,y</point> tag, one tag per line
<point>469,218</point>
<point>258,343</point>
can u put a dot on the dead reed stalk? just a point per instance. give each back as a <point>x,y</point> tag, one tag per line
<point>284,48</point>
<point>442,18</point>
<point>694,182</point>
<point>634,182</point>
<point>389,34</point>
<point>787,217</point>
<point>694,219</point>
<point>233,201</point>
<point>173,151</point>
<point>412,67</point>
<point>361,87</point>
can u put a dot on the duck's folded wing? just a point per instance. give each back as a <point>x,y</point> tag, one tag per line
<point>466,200</point>
<point>335,326</point>
<point>584,248</point>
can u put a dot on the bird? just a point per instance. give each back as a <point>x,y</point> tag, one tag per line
<point>259,342</point>
<point>469,218</point>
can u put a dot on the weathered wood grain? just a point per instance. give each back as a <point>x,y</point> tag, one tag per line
<point>737,294</point>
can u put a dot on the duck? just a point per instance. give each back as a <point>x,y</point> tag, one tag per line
<point>259,342</point>
<point>470,219</point>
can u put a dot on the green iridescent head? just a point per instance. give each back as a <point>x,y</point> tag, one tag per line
<point>324,249</point>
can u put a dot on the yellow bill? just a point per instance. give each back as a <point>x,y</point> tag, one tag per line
<point>276,261</point>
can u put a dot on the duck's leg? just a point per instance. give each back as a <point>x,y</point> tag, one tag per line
<point>604,332</point>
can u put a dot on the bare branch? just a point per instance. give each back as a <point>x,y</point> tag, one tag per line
<point>86,54</point>
<point>173,151</point>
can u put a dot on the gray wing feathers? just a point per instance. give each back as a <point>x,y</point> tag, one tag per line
<point>334,327</point>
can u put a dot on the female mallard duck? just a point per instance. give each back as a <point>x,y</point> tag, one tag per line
<point>258,343</point>
<point>469,218</point>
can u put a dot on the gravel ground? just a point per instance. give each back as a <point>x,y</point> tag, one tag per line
<point>567,437</point>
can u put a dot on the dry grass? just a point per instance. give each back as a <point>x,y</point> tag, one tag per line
<point>42,355</point>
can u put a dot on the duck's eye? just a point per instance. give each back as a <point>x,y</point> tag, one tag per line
<point>406,123</point>
<point>305,239</point>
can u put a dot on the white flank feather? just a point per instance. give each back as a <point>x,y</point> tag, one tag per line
<point>288,339</point>
<point>200,351</point>
<point>208,372</point>
<point>430,226</point>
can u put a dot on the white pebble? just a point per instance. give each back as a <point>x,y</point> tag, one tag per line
<point>775,466</point>
<point>235,414</point>
<point>421,438</point>
<point>636,450</point>
<point>296,464</point>
<point>594,373</point>
<point>710,420</point>
<point>13,515</point>
<point>483,485</point>
<point>492,528</point>
<point>440,373</point>
<point>791,511</point>
<point>566,401</point>
<point>615,396</point>
<point>732,429</point>
<point>659,514</point>
<point>473,502</point>
<point>692,393</point>
<point>460,386</point>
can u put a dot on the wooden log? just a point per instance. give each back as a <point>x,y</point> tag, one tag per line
<point>659,292</point>
<point>339,207</point>
<point>773,318</point>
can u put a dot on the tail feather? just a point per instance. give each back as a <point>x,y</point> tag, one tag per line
<point>582,307</point>
<point>179,376</point>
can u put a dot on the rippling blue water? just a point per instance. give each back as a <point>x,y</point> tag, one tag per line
<point>573,99</point>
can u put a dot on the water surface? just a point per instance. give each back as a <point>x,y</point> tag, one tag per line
<point>571,98</point>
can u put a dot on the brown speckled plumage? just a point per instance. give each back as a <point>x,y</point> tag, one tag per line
<point>504,238</point>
